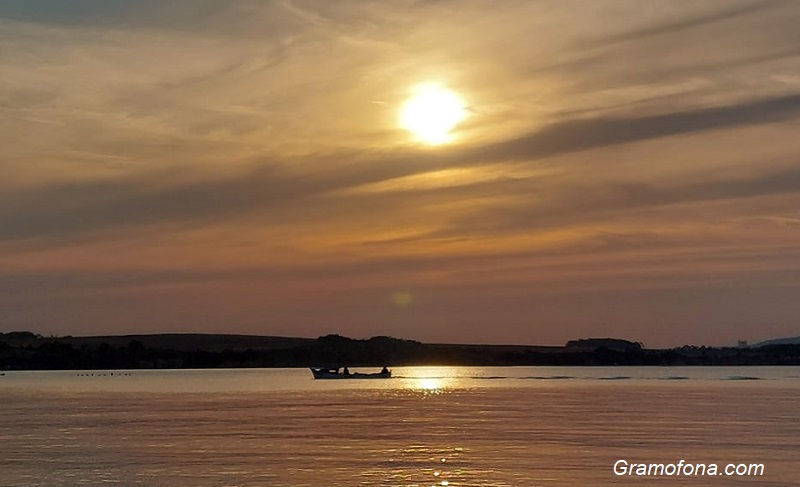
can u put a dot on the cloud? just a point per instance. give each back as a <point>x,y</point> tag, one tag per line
<point>563,206</point>
<point>674,57</point>
<point>575,135</point>
<point>702,19</point>
<point>93,207</point>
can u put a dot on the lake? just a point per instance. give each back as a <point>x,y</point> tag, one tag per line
<point>428,426</point>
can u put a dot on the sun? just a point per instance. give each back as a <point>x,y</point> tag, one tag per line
<point>432,112</point>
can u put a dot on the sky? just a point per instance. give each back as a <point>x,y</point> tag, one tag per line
<point>625,169</point>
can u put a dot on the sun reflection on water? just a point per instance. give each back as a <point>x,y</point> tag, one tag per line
<point>432,380</point>
<point>429,384</point>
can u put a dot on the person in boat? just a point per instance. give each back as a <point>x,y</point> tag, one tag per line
<point>346,371</point>
<point>384,370</point>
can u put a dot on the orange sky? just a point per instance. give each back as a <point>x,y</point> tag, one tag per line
<point>626,169</point>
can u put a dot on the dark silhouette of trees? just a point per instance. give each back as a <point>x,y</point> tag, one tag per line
<point>25,350</point>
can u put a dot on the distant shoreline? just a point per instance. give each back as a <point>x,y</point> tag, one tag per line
<point>29,351</point>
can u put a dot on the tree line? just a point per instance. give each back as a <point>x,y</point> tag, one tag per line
<point>28,351</point>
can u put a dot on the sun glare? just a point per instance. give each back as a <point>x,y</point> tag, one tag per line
<point>429,384</point>
<point>432,112</point>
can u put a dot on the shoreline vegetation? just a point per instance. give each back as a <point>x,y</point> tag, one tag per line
<point>23,350</point>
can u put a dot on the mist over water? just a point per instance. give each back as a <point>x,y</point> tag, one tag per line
<point>464,426</point>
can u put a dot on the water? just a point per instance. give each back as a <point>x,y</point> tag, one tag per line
<point>430,426</point>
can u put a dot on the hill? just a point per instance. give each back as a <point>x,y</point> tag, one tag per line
<point>194,341</point>
<point>29,351</point>
<point>779,341</point>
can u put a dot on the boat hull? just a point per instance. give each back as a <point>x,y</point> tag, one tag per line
<point>327,374</point>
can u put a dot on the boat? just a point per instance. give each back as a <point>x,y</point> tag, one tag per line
<point>333,373</point>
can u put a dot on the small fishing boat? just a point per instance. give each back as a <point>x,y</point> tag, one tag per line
<point>334,373</point>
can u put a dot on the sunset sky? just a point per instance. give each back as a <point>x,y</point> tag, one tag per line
<point>621,168</point>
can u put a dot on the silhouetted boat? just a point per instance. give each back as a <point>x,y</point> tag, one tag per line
<point>333,373</point>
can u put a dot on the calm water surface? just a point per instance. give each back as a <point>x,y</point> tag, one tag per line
<point>429,426</point>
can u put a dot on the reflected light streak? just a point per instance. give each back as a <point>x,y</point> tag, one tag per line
<point>433,379</point>
<point>429,384</point>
